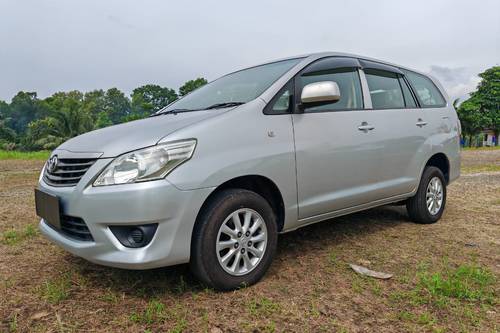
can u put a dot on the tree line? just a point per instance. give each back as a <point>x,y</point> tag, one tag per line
<point>481,110</point>
<point>30,123</point>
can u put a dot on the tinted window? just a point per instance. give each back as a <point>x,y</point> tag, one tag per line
<point>428,94</point>
<point>347,79</point>
<point>385,89</point>
<point>409,100</point>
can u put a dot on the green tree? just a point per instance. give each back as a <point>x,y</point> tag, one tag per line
<point>470,118</point>
<point>4,109</point>
<point>7,134</point>
<point>24,108</point>
<point>487,97</point>
<point>8,137</point>
<point>94,102</point>
<point>66,119</point>
<point>117,105</point>
<point>482,109</point>
<point>102,120</point>
<point>191,85</point>
<point>150,98</point>
<point>106,107</point>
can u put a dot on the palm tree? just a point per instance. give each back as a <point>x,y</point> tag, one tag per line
<point>66,119</point>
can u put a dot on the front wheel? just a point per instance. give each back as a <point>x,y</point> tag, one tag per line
<point>427,205</point>
<point>234,240</point>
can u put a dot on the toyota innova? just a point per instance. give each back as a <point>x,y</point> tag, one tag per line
<point>214,177</point>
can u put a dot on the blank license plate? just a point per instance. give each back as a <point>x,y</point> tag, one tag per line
<point>47,207</point>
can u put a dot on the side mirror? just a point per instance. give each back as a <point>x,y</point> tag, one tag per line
<point>320,92</point>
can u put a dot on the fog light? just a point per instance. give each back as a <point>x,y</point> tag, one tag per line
<point>134,235</point>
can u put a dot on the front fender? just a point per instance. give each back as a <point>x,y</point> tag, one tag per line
<point>239,143</point>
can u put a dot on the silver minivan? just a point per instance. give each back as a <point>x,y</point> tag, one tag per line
<point>214,177</point>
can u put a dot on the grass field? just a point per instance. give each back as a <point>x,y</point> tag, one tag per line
<point>21,155</point>
<point>446,275</point>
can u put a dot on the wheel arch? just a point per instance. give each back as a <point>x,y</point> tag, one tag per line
<point>440,161</point>
<point>256,183</point>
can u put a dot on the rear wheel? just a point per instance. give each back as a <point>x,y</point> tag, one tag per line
<point>234,240</point>
<point>427,205</point>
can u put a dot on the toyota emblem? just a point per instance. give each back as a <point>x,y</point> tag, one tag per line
<point>52,164</point>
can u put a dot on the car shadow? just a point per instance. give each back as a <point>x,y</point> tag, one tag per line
<point>177,280</point>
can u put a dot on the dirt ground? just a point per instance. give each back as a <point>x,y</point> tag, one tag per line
<point>446,275</point>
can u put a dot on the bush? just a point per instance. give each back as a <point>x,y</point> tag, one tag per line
<point>8,146</point>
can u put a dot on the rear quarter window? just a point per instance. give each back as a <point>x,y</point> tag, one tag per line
<point>427,92</point>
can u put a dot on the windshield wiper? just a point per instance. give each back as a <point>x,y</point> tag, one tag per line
<point>223,105</point>
<point>211,107</point>
<point>174,111</point>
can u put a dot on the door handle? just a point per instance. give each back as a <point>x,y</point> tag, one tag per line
<point>420,123</point>
<point>365,127</point>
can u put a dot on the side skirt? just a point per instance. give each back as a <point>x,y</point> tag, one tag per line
<point>326,216</point>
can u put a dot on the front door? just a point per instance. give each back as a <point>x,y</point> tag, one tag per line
<point>334,158</point>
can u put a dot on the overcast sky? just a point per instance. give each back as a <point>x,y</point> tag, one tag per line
<point>58,45</point>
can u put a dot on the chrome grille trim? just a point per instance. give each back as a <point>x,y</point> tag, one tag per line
<point>68,172</point>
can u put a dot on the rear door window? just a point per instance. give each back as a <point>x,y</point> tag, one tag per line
<point>385,89</point>
<point>427,92</point>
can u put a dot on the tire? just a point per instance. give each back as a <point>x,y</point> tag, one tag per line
<point>207,261</point>
<point>417,207</point>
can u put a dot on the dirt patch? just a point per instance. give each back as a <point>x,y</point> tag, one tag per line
<point>445,274</point>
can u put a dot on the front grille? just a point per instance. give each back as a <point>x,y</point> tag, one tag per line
<point>68,171</point>
<point>76,228</point>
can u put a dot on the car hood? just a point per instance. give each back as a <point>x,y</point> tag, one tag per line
<point>116,140</point>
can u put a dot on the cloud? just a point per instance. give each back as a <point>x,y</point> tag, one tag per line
<point>120,22</point>
<point>60,45</point>
<point>448,74</point>
<point>462,90</point>
<point>459,82</point>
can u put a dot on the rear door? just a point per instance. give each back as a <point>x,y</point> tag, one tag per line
<point>396,120</point>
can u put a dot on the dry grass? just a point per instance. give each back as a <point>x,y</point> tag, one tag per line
<point>445,275</point>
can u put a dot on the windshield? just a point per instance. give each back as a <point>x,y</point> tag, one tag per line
<point>238,87</point>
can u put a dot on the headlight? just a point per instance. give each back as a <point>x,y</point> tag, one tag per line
<point>146,164</point>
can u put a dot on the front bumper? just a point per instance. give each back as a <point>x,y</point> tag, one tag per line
<point>158,201</point>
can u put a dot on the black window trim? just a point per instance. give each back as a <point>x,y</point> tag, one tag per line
<point>369,64</point>
<point>412,93</point>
